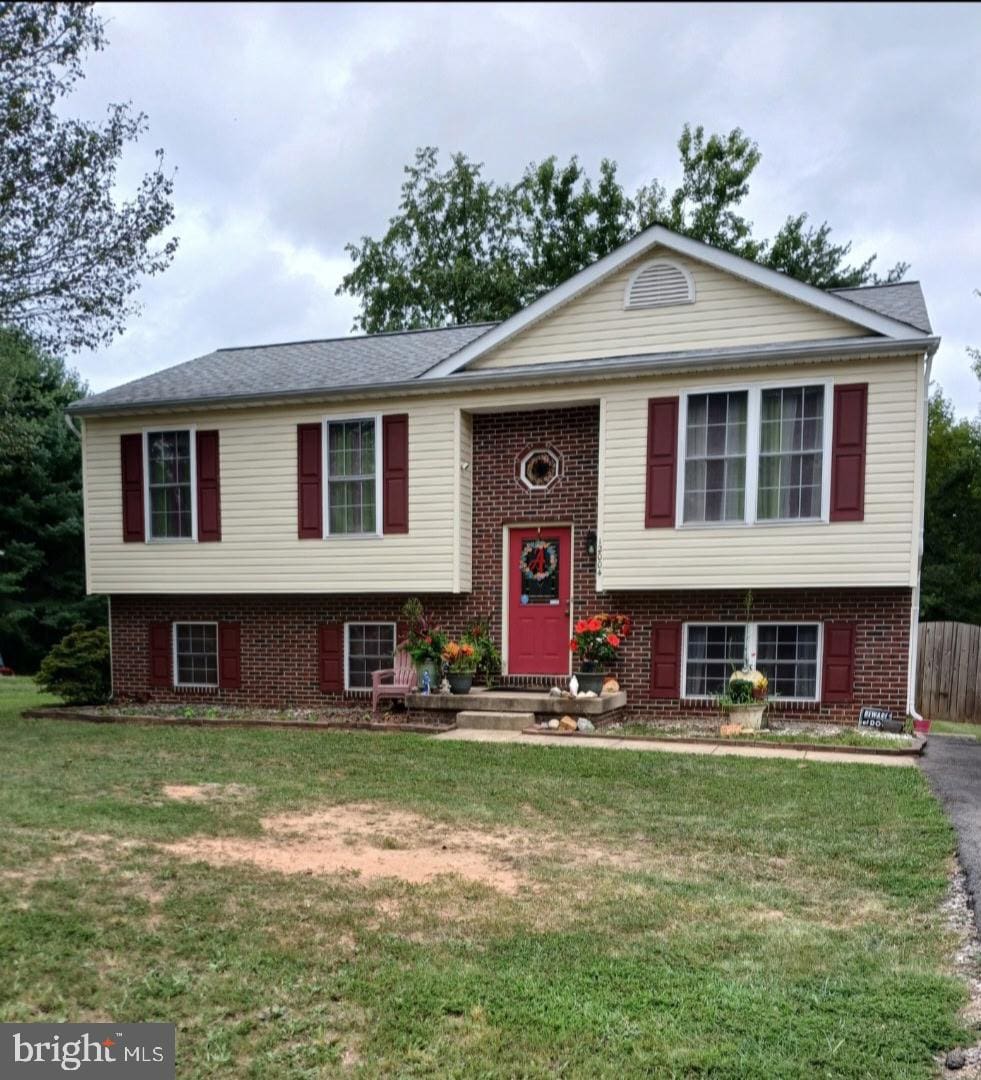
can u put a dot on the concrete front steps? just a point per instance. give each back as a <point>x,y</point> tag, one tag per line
<point>509,710</point>
<point>482,720</point>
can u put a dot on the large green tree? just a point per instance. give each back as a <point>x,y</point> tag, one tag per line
<point>951,578</point>
<point>73,247</point>
<point>462,248</point>
<point>42,563</point>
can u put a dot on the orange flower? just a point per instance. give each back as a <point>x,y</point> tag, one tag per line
<point>580,626</point>
<point>612,639</point>
<point>594,624</point>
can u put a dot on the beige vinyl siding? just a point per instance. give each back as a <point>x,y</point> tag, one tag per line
<point>259,550</point>
<point>881,550</point>
<point>727,311</point>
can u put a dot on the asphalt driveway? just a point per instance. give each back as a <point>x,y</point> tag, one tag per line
<point>953,767</point>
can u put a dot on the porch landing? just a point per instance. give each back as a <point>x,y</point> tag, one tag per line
<point>538,702</point>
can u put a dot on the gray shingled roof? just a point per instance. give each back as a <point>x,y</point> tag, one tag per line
<point>902,301</point>
<point>299,367</point>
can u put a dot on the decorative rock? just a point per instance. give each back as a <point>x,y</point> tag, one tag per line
<point>574,686</point>
<point>553,723</point>
<point>956,1059</point>
<point>585,724</point>
<point>590,693</point>
<point>611,686</point>
<point>730,729</point>
<point>555,692</point>
<point>567,723</point>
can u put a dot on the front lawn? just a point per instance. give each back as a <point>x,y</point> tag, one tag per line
<point>622,915</point>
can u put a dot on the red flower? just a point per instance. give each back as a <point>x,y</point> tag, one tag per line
<point>574,645</point>
<point>612,639</point>
<point>594,624</point>
<point>580,626</point>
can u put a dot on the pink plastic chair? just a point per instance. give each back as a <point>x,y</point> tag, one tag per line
<point>403,677</point>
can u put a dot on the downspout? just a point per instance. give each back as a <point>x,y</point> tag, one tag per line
<point>71,426</point>
<point>914,635</point>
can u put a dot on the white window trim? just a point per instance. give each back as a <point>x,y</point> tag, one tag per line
<point>173,649</point>
<point>751,652</point>
<point>191,429</point>
<point>347,650</point>
<point>523,480</point>
<point>379,486</point>
<point>754,392</point>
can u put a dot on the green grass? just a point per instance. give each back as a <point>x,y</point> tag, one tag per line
<point>841,738</point>
<point>949,727</point>
<point>773,919</point>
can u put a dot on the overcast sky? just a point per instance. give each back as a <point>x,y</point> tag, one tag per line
<point>289,127</point>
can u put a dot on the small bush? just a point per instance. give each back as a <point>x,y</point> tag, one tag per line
<point>77,668</point>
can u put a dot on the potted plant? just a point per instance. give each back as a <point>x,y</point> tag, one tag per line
<point>486,654</point>
<point>425,641</point>
<point>460,658</point>
<point>745,698</point>
<point>594,646</point>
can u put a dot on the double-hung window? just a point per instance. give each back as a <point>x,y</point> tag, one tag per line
<point>369,647</point>
<point>715,457</point>
<point>170,485</point>
<point>791,453</point>
<point>759,454</point>
<point>786,653</point>
<point>353,498</point>
<point>196,654</point>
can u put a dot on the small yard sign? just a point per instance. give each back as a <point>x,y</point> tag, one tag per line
<point>880,719</point>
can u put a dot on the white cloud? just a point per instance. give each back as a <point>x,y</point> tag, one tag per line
<point>289,125</point>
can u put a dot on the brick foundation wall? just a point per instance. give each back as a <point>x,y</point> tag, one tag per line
<point>279,633</point>
<point>279,643</point>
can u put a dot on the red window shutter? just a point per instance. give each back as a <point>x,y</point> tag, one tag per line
<point>160,650</point>
<point>131,451</point>
<point>662,462</point>
<point>838,672</point>
<point>230,655</point>
<point>331,657</point>
<point>848,452</point>
<point>395,473</point>
<point>666,660</point>
<point>310,492</point>
<point>209,487</point>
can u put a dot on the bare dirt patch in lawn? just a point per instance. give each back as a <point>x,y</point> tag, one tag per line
<point>378,842</point>
<point>205,792</point>
<point>369,841</point>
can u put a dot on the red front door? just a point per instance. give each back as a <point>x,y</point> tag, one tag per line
<point>539,595</point>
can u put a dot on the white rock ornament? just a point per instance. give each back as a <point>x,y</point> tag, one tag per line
<point>574,686</point>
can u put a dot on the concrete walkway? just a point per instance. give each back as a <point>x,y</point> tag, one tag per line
<point>679,747</point>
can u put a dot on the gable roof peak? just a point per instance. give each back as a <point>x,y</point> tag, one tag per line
<point>660,236</point>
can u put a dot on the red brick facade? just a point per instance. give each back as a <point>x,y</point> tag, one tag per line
<point>279,633</point>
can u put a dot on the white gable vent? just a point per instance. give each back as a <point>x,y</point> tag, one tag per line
<point>658,284</point>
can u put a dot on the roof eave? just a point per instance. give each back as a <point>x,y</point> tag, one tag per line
<point>571,370</point>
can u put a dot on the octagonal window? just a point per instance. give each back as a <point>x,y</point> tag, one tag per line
<point>539,469</point>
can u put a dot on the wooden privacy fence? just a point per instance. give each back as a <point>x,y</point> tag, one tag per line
<point>948,672</point>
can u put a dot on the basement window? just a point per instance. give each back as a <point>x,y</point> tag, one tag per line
<point>196,654</point>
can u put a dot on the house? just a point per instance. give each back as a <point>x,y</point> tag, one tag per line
<point>668,430</point>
